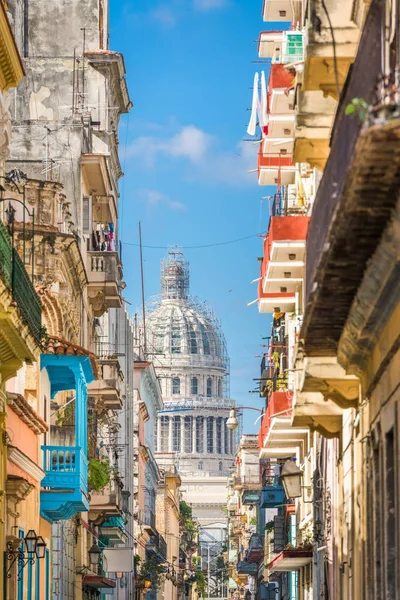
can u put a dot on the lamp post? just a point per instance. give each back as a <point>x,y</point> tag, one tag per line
<point>35,548</point>
<point>232,422</point>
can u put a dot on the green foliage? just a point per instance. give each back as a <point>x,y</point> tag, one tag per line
<point>269,526</point>
<point>201,584</point>
<point>253,521</point>
<point>65,416</point>
<point>187,522</point>
<point>358,107</point>
<point>99,473</point>
<point>136,560</point>
<point>151,570</point>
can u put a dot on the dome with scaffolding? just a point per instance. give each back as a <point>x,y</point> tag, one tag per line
<point>179,327</point>
<point>185,341</point>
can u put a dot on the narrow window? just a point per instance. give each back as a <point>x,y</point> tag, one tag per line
<point>193,342</point>
<point>209,387</point>
<point>176,385</point>
<point>176,434</point>
<point>220,465</point>
<point>200,434</point>
<point>219,388</point>
<point>164,434</point>
<point>195,386</point>
<point>201,465</point>
<point>219,435</point>
<point>188,429</point>
<point>210,435</point>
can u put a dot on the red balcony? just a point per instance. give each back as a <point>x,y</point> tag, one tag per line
<point>277,438</point>
<point>280,91</point>
<point>282,268</point>
<point>291,560</point>
<point>276,169</point>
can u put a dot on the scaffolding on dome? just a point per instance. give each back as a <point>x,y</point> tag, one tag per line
<point>174,275</point>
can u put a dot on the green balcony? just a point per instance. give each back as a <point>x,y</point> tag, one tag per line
<point>16,279</point>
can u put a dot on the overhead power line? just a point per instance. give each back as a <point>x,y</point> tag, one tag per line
<point>247,237</point>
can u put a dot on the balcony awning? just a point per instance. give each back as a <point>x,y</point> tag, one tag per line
<point>97,582</point>
<point>290,560</point>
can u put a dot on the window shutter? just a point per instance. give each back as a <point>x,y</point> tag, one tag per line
<point>86,214</point>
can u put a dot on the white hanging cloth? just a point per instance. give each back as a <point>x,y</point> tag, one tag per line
<point>263,119</point>
<point>255,107</point>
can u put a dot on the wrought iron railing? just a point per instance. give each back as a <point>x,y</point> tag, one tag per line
<point>147,517</point>
<point>15,277</point>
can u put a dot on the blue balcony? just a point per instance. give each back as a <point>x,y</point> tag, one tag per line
<point>64,488</point>
<point>114,530</point>
<point>272,496</point>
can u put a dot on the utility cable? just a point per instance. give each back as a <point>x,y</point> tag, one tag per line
<point>201,245</point>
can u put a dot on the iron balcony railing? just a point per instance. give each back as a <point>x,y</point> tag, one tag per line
<point>159,543</point>
<point>147,518</point>
<point>15,277</point>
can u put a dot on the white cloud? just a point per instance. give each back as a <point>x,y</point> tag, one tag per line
<point>165,16</point>
<point>155,198</point>
<point>208,5</point>
<point>202,156</point>
<point>190,143</point>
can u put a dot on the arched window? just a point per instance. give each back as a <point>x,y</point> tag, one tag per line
<point>219,388</point>
<point>195,386</point>
<point>220,465</point>
<point>201,465</point>
<point>209,387</point>
<point>175,336</point>
<point>176,385</point>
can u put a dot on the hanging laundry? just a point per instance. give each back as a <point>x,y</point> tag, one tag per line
<point>251,129</point>
<point>263,119</point>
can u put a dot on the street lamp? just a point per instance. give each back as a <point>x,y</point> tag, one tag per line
<point>232,422</point>
<point>291,477</point>
<point>35,548</point>
<point>94,554</point>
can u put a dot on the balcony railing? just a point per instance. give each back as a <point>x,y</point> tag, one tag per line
<point>159,544</point>
<point>66,467</point>
<point>106,265</point>
<point>147,518</point>
<point>15,277</point>
<point>247,481</point>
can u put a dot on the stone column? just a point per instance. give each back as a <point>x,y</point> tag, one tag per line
<point>170,433</point>
<point>194,432</point>
<point>215,435</point>
<point>205,435</point>
<point>227,449</point>
<point>159,449</point>
<point>223,435</point>
<point>182,434</point>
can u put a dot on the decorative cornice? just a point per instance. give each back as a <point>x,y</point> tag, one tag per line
<point>25,463</point>
<point>11,69</point>
<point>18,488</point>
<point>26,413</point>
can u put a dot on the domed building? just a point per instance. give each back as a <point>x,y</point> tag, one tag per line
<point>189,354</point>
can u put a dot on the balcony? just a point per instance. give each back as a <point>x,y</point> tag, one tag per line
<point>106,503</point>
<point>104,272</point>
<point>113,529</point>
<point>147,519</point>
<point>249,482</point>
<point>321,70</point>
<point>284,11</point>
<point>107,390</point>
<point>282,268</point>
<point>282,47</point>
<point>280,96</point>
<point>255,551</point>
<point>314,117</point>
<point>95,173</point>
<point>291,560</point>
<point>272,496</point>
<point>157,547</point>
<point>276,169</point>
<point>353,207</point>
<point>64,489</point>
<point>247,568</point>
<point>20,319</point>
<point>277,437</point>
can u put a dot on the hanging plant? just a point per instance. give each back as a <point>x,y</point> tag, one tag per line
<point>99,473</point>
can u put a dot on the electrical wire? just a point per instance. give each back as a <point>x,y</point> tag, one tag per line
<point>247,237</point>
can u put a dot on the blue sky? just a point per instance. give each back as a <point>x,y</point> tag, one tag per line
<point>189,71</point>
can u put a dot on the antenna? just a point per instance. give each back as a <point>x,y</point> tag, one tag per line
<point>142,281</point>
